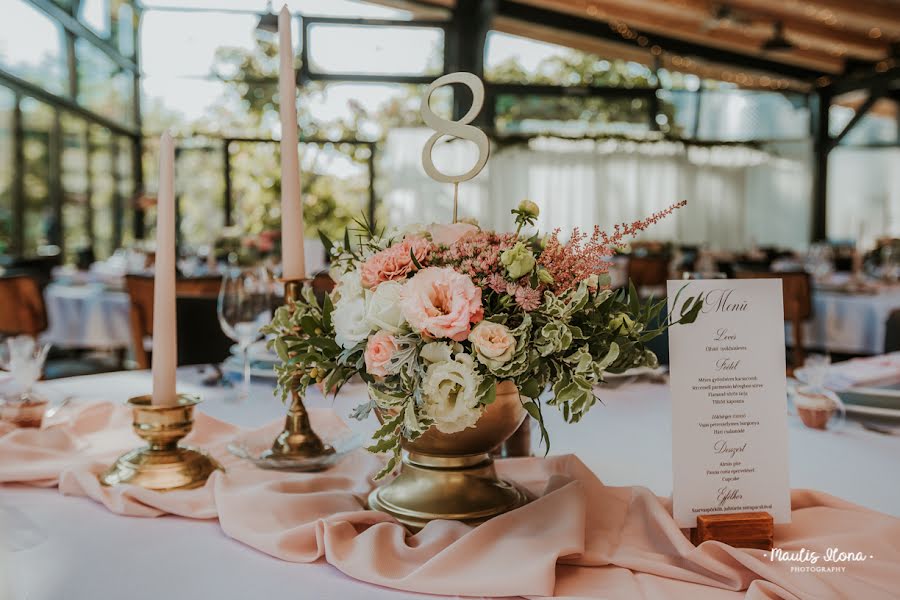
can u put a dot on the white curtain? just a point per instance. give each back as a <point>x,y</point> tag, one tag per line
<point>863,193</point>
<point>736,195</point>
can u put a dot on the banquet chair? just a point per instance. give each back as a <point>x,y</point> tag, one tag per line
<point>892,333</point>
<point>140,292</point>
<point>22,309</point>
<point>797,292</point>
<point>648,271</point>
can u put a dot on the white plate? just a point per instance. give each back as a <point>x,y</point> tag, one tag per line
<point>235,365</point>
<point>256,448</point>
<point>256,351</point>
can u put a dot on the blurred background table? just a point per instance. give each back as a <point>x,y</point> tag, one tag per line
<point>87,316</point>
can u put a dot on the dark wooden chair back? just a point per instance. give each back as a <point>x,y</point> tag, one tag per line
<point>797,292</point>
<point>22,308</point>
<point>140,291</point>
<point>648,271</point>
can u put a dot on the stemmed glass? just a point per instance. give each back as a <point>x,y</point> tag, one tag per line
<point>245,305</point>
<point>25,361</point>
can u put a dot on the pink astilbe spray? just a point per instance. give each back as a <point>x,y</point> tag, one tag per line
<point>584,256</point>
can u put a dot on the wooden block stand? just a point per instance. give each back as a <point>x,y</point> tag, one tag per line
<point>741,530</point>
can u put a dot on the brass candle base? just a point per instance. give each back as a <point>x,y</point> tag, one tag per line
<point>297,439</point>
<point>163,465</point>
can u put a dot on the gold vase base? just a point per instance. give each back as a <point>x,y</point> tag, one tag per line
<point>290,445</point>
<point>183,468</point>
<point>463,489</point>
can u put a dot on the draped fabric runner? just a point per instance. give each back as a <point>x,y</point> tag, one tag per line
<point>579,539</point>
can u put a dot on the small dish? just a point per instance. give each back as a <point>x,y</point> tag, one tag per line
<point>256,447</point>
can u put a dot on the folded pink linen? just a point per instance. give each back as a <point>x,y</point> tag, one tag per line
<point>578,539</point>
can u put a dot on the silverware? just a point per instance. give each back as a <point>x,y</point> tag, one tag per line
<point>49,414</point>
<point>879,428</point>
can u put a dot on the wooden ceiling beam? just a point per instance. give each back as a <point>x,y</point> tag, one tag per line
<point>690,30</point>
<point>850,15</point>
<point>755,19</point>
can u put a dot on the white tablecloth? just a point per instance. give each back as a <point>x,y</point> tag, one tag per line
<point>82,551</point>
<point>849,323</point>
<point>86,316</point>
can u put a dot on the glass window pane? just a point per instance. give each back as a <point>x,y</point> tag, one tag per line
<point>75,186</point>
<point>737,115</point>
<point>95,14</point>
<point>40,222</point>
<point>103,86</point>
<point>126,192</point>
<point>514,59</point>
<point>375,50</point>
<point>571,116</point>
<point>102,187</point>
<point>7,107</point>
<point>126,22</point>
<point>32,46</point>
<point>201,192</point>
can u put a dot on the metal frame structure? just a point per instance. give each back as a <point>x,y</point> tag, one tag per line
<point>471,20</point>
<point>465,29</point>
<point>72,30</point>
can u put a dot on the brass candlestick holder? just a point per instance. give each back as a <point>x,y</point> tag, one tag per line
<point>163,465</point>
<point>297,439</point>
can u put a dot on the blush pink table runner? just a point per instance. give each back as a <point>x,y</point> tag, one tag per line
<point>578,539</point>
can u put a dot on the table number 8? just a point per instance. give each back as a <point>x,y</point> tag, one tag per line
<point>458,129</point>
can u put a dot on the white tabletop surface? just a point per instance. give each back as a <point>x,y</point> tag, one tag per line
<point>74,548</point>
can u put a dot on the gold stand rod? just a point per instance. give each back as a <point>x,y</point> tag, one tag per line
<point>297,439</point>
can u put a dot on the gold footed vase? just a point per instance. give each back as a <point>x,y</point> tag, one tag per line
<point>163,465</point>
<point>452,476</point>
<point>297,439</point>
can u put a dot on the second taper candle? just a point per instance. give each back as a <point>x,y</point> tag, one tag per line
<point>165,350</point>
<point>292,254</point>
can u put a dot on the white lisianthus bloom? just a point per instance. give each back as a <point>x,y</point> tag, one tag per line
<point>350,325</point>
<point>436,352</point>
<point>383,307</point>
<point>450,389</point>
<point>349,285</point>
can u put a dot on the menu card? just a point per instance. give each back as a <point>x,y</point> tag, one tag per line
<point>729,401</point>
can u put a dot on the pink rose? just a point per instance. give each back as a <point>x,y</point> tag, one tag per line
<point>441,303</point>
<point>447,235</point>
<point>493,343</point>
<point>394,263</point>
<point>380,348</point>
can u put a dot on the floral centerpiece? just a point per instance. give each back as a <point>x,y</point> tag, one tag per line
<point>434,318</point>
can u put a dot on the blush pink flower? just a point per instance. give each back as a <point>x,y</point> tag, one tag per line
<point>447,235</point>
<point>441,303</point>
<point>380,349</point>
<point>394,263</point>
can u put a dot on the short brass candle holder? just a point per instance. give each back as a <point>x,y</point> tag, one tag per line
<point>163,465</point>
<point>297,440</point>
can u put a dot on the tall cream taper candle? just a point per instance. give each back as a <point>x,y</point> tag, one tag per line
<point>165,350</point>
<point>292,255</point>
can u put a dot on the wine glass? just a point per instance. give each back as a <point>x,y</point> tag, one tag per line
<point>244,306</point>
<point>25,361</point>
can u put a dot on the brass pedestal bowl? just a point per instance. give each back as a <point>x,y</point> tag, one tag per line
<point>452,476</point>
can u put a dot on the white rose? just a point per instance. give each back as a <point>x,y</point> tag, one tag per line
<point>350,325</point>
<point>450,389</point>
<point>383,307</point>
